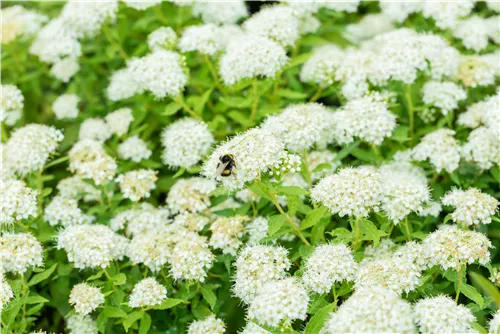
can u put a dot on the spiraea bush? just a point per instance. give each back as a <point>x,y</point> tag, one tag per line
<point>250,167</point>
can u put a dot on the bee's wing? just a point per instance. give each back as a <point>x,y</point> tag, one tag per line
<point>221,167</point>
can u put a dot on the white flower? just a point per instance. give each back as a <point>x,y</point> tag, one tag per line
<point>17,201</point>
<point>328,265</point>
<point>74,187</point>
<point>191,258</point>
<point>66,106</point>
<point>446,14</point>
<point>186,141</point>
<point>210,324</point>
<point>226,233</point>
<point>278,302</point>
<point>252,328</point>
<point>160,72</point>
<point>123,85</point>
<point>474,32</point>
<point>87,18</point>
<point>249,57</point>
<point>119,120</point>
<point>476,71</point>
<point>431,208</point>
<point>85,298</point>
<point>257,230</point>
<point>341,6</point>
<point>11,104</point>
<point>65,211</point>
<point>220,13</point>
<point>148,292</point>
<point>137,184</point>
<point>321,163</point>
<point>277,23</point>
<point>6,293</point>
<point>444,95</point>
<point>190,195</point>
<point>255,152</point>
<point>302,126</point>
<point>351,191</point>
<point>140,219</point>
<point>141,5</point>
<point>95,129</point>
<point>494,324</point>
<point>135,149</point>
<point>192,221</point>
<point>18,21</point>
<point>368,27</point>
<point>162,38</point>
<point>442,315</point>
<point>372,310</point>
<point>91,246</point>
<point>20,251</point>
<point>65,68</point>
<point>471,206</point>
<point>203,38</point>
<point>30,147</point>
<point>441,148</point>
<point>367,118</point>
<point>483,147</point>
<point>80,324</point>
<point>485,112</point>
<point>152,248</point>
<point>321,67</point>
<point>452,248</point>
<point>383,249</point>
<point>89,160</point>
<point>256,265</point>
<point>398,11</point>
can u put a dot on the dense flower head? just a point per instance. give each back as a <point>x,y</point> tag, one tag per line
<point>226,233</point>
<point>321,67</point>
<point>372,310</point>
<point>191,258</point>
<point>152,248</point>
<point>6,293</point>
<point>140,219</point>
<point>86,18</point>
<point>398,11</point>
<point>91,246</point>
<point>441,148</point>
<point>137,184</point>
<point>75,187</point>
<point>11,104</point>
<point>431,208</point>
<point>452,248</point>
<point>256,265</point>
<point>161,72</point>
<point>119,121</point>
<point>90,161</point>
<point>18,21</point>
<point>281,301</point>
<point>444,95</point>
<point>252,328</point>
<point>192,221</point>
<point>256,230</point>
<point>65,211</point>
<point>210,324</point>
<point>202,38</point>
<point>475,32</point>
<point>141,5</point>
<point>30,147</point>
<point>19,251</point>
<point>85,298</point>
<point>65,69</point>
<point>367,118</point>
<point>78,324</point>
<point>249,57</point>
<point>135,149</point>
<point>383,249</point>
<point>351,191</point>
<point>302,126</point>
<point>321,163</point>
<point>472,207</point>
<point>255,152</point>
<point>148,292</point>
<point>475,70</point>
<point>483,147</point>
<point>446,14</point>
<point>482,113</point>
<point>220,13</point>
<point>186,141</point>
<point>494,324</point>
<point>17,201</point>
<point>66,106</point>
<point>123,85</point>
<point>190,195</point>
<point>368,27</point>
<point>327,265</point>
<point>95,129</point>
<point>442,315</point>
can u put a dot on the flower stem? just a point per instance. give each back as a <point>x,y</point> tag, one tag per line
<point>213,72</point>
<point>357,231</point>
<point>409,103</point>
<point>39,187</point>
<point>290,222</point>
<point>316,95</point>
<point>459,284</point>
<point>180,100</point>
<point>255,101</point>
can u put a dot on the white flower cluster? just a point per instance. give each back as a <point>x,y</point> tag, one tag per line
<point>226,233</point>
<point>86,18</point>
<point>202,38</point>
<point>91,246</point>
<point>399,11</point>
<point>140,219</point>
<point>190,195</point>
<point>186,141</point>
<point>321,67</point>
<point>321,163</point>
<point>134,149</point>
<point>472,207</point>
<point>210,324</point>
<point>256,265</point>
<point>213,12</point>
<point>446,14</point>
<point>119,121</point>
<point>30,147</point>
<point>148,292</point>
<point>65,68</point>
<point>431,208</point>
<point>78,324</point>
<point>17,201</point>
<point>192,221</point>
<point>122,85</point>
<point>191,258</point>
<point>368,27</point>
<point>367,118</point>
<point>441,148</point>
<point>65,211</point>
<point>482,113</point>
<point>252,328</point>
<point>475,70</point>
<point>85,298</point>
<point>302,126</point>
<point>279,302</point>
<point>66,106</point>
<point>442,315</point>
<point>444,95</point>
<point>11,104</point>
<point>475,32</point>
<point>327,265</point>
<point>6,293</point>
<point>351,191</point>
<point>494,325</point>
<point>90,161</point>
<point>452,248</point>
<point>257,230</point>
<point>19,251</point>
<point>141,5</point>
<point>18,21</point>
<point>153,248</point>
<point>483,147</point>
<point>74,187</point>
<point>372,310</point>
<point>95,129</point>
<point>162,38</point>
<point>137,184</point>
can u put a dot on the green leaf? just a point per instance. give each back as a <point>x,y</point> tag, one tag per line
<point>364,155</point>
<point>495,172</point>
<point>42,276</point>
<point>313,217</point>
<point>346,151</point>
<point>145,324</point>
<point>293,202</point>
<point>169,303</point>
<point>292,95</point>
<point>171,109</point>
<point>479,328</point>
<point>209,296</point>
<point>341,234</point>
<point>275,223</point>
<point>114,312</point>
<point>131,319</point>
<point>486,286</point>
<point>370,231</point>
<point>298,60</point>
<point>199,105</point>
<point>291,190</point>
<point>96,276</point>
<point>263,190</point>
<point>35,300</point>
<point>179,173</point>
<point>470,292</point>
<point>239,117</point>
<point>119,279</point>
<point>318,320</point>
<point>236,101</point>
<point>400,134</point>
<point>46,192</point>
<point>454,177</point>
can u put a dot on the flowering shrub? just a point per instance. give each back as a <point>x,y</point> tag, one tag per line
<point>248,167</point>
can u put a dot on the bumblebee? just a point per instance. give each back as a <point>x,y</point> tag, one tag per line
<point>226,165</point>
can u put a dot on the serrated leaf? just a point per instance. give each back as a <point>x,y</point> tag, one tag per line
<point>119,279</point>
<point>291,190</point>
<point>313,217</point>
<point>262,190</point>
<point>145,324</point>
<point>318,320</point>
<point>209,296</point>
<point>400,134</point>
<point>131,319</point>
<point>341,234</point>
<point>169,303</point>
<point>293,202</point>
<point>470,292</point>
<point>171,109</point>
<point>114,312</point>
<point>275,223</point>
<point>42,276</point>
<point>370,231</point>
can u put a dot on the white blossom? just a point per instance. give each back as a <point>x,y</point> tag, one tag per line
<point>475,70</point>
<point>20,251</point>
<point>148,292</point>
<point>123,85</point>
<point>17,201</point>
<point>444,95</point>
<point>483,147</point>
<point>162,38</point>
<point>87,18</point>
<point>203,38</point>
<point>65,68</point>
<point>119,121</point>
<point>140,219</point>
<point>472,207</point>
<point>18,21</point>
<point>446,14</point>
<point>137,184</point>
<point>190,195</point>
<point>75,187</point>
<point>79,324</point>
<point>85,298</point>
<point>441,148</point>
<point>210,324</point>
<point>191,258</point>
<point>11,104</point>
<point>220,13</point>
<point>6,293</point>
<point>94,129</point>
<point>89,160</point>
<point>65,211</point>
<point>135,149</point>
<point>494,324</point>
<point>66,106</point>
<point>226,233</point>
